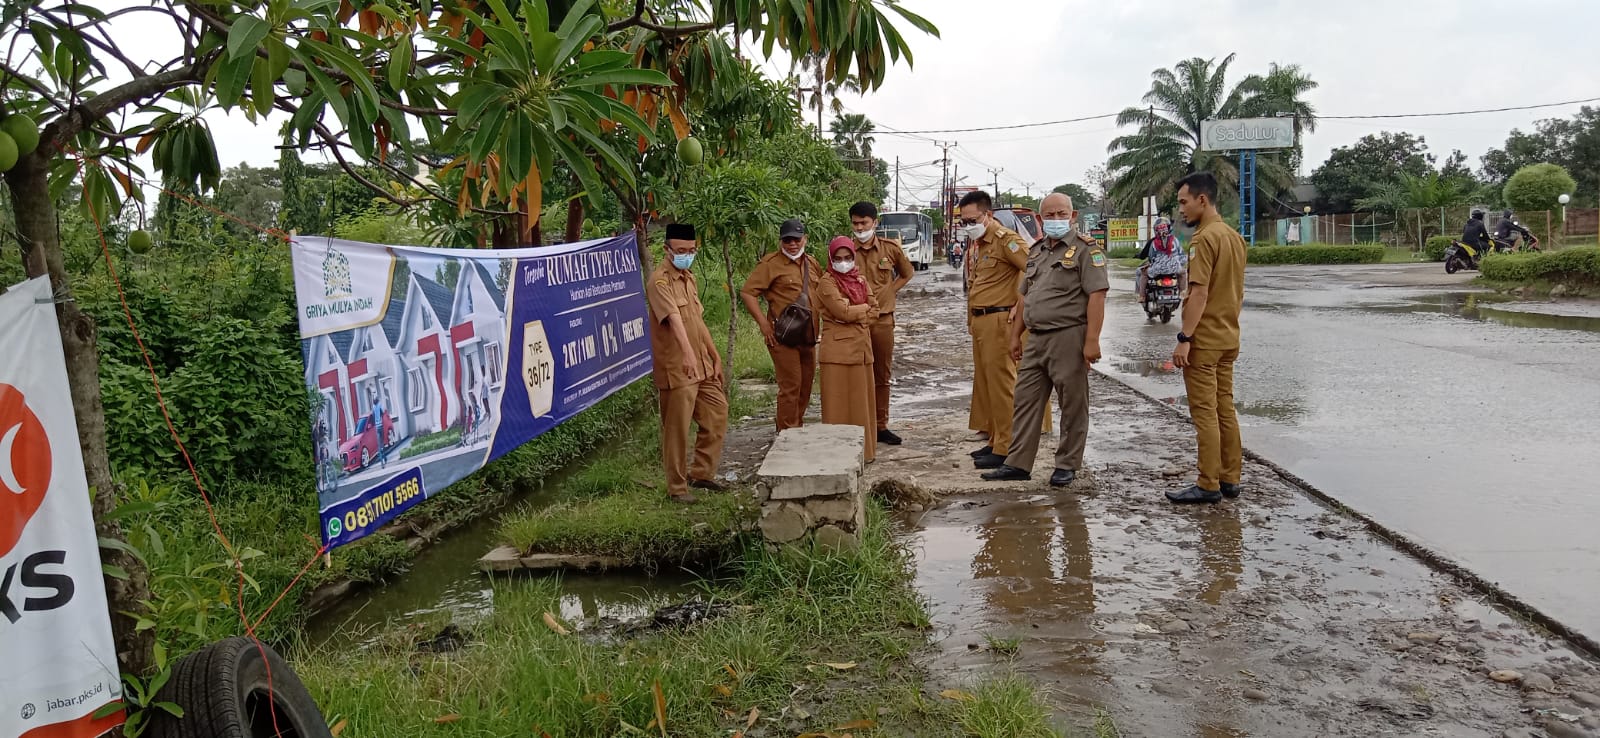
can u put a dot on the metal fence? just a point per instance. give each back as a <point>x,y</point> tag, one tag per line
<point>1412,228</point>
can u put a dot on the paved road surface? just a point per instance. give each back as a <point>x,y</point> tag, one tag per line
<point>1469,424</point>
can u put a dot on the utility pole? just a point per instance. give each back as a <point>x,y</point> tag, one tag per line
<point>996,173</point>
<point>946,189</point>
<point>897,183</point>
<point>1027,190</point>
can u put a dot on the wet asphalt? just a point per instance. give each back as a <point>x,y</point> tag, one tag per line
<point>1462,420</point>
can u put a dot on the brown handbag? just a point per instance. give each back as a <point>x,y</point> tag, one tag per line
<point>796,326</point>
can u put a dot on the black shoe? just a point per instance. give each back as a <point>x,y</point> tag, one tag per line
<point>708,484</point>
<point>889,437</point>
<point>1194,494</point>
<point>1007,473</point>
<point>1062,477</point>
<point>989,461</point>
<point>985,451</point>
<point>1231,491</point>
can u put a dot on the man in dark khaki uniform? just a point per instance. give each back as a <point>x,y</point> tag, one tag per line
<point>687,369</point>
<point>1208,345</point>
<point>997,257</point>
<point>886,268</point>
<point>780,278</point>
<point>1063,309</point>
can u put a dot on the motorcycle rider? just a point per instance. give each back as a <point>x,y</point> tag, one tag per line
<point>1476,234</point>
<point>1162,255</point>
<point>1507,225</point>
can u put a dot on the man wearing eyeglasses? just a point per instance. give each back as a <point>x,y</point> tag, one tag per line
<point>996,259</point>
<point>1063,307</point>
<point>783,278</point>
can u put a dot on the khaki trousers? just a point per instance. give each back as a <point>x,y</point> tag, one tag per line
<point>707,405</point>
<point>994,379</point>
<point>1209,382</point>
<point>882,357</point>
<point>847,391</point>
<point>796,368</point>
<point>1051,362</point>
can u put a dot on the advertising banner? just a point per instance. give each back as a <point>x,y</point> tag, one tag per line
<point>58,665</point>
<point>424,364</point>
<point>1246,133</point>
<point>1122,232</point>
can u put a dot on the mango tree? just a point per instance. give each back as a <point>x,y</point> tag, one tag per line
<point>512,87</point>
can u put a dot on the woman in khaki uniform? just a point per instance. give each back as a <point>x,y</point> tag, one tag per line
<point>848,309</point>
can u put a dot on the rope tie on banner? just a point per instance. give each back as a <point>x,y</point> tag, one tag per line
<point>216,527</point>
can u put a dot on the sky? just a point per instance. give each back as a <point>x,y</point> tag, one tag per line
<point>1004,62</point>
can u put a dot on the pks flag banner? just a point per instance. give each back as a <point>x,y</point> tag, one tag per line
<point>424,364</point>
<point>58,665</point>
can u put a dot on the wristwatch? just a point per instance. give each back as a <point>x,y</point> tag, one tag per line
<point>1184,339</point>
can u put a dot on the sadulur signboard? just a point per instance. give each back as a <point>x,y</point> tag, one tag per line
<point>1246,133</point>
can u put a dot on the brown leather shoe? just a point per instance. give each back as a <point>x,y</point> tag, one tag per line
<point>710,485</point>
<point>686,498</point>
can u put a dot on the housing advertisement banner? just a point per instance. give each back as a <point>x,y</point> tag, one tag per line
<point>58,665</point>
<point>1122,232</point>
<point>423,364</point>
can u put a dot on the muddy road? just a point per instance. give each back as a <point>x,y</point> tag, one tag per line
<point>1464,421</point>
<point>1267,616</point>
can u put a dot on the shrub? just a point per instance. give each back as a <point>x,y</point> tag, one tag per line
<point>1579,265</point>
<point>1434,250</point>
<point>1317,254</point>
<point>1534,188</point>
<point>1123,252</point>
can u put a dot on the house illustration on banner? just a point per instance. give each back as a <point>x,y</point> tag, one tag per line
<point>435,361</point>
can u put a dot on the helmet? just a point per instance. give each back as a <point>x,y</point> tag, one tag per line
<point>1163,226</point>
<point>1477,214</point>
<point>1506,214</point>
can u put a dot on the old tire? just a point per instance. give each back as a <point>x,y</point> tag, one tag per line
<point>222,689</point>
<point>1452,265</point>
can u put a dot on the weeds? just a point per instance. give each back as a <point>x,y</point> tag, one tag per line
<point>1006,707</point>
<point>1007,646</point>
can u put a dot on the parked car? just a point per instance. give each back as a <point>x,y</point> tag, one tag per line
<point>1022,220</point>
<point>360,449</point>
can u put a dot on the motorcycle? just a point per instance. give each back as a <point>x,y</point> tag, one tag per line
<point>1161,296</point>
<point>1462,255</point>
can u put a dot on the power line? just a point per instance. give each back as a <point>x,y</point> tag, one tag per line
<point>1374,116</point>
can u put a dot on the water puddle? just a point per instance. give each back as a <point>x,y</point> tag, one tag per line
<point>444,585</point>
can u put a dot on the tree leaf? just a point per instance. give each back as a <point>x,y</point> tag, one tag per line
<point>550,620</point>
<point>661,708</point>
<point>232,75</point>
<point>245,35</point>
<point>400,63</point>
<point>957,695</point>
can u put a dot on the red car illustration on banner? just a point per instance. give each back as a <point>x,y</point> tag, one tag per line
<point>366,445</point>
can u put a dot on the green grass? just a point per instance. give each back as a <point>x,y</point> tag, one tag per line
<point>1007,707</point>
<point>834,633</point>
<point>618,506</point>
<point>1003,645</point>
<point>1400,256</point>
<point>1313,253</point>
<point>432,442</point>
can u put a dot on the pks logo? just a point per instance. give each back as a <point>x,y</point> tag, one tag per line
<point>336,275</point>
<point>24,465</point>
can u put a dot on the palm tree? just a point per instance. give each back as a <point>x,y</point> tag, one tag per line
<point>824,88</point>
<point>852,136</point>
<point>1166,144</point>
<point>1282,91</point>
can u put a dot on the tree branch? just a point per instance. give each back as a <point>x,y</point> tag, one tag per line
<point>104,44</point>
<point>637,20</point>
<point>94,109</point>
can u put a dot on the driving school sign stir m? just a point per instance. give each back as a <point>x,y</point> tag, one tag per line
<point>424,364</point>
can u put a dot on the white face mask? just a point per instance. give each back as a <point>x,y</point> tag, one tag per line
<point>844,267</point>
<point>865,236</point>
<point>976,230</point>
<point>796,255</point>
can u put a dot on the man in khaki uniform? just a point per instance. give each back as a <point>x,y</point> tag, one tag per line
<point>1208,345</point>
<point>998,256</point>
<point>780,278</point>
<point>1063,308</point>
<point>886,268</point>
<point>687,370</point>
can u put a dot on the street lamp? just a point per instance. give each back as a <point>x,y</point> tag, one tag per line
<point>1564,199</point>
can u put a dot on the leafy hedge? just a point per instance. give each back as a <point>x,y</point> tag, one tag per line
<point>1317,254</point>
<point>1435,248</point>
<point>1123,252</point>
<point>1578,265</point>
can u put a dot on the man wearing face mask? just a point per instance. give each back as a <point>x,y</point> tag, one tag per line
<point>885,266</point>
<point>1063,307</point>
<point>687,370</point>
<point>783,278</point>
<point>996,259</point>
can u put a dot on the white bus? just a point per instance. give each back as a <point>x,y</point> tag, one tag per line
<point>915,233</point>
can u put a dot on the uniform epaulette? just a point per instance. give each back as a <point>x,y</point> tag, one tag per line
<point>1086,238</point>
